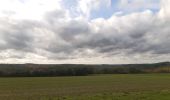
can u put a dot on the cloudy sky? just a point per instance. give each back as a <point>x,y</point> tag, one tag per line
<point>84,31</point>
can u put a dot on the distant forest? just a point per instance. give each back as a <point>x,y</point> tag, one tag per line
<point>46,70</point>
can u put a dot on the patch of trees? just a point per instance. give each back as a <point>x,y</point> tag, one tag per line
<point>38,70</point>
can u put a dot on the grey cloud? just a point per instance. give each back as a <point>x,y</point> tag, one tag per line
<point>79,35</point>
<point>55,16</point>
<point>74,29</point>
<point>61,38</point>
<point>18,35</point>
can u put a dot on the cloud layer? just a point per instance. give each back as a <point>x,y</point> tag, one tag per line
<point>66,34</point>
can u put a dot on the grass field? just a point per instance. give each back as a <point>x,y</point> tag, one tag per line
<point>99,87</point>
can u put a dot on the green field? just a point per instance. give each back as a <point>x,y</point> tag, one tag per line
<point>99,87</point>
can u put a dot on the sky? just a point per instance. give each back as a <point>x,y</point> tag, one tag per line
<point>84,31</point>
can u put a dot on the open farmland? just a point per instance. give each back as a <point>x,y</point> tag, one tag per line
<point>98,87</point>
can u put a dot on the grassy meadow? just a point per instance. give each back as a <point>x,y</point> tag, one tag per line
<point>97,87</point>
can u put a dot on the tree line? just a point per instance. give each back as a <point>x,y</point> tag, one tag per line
<point>38,70</point>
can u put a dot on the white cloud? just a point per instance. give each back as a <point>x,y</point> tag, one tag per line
<point>165,12</point>
<point>87,6</point>
<point>27,9</point>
